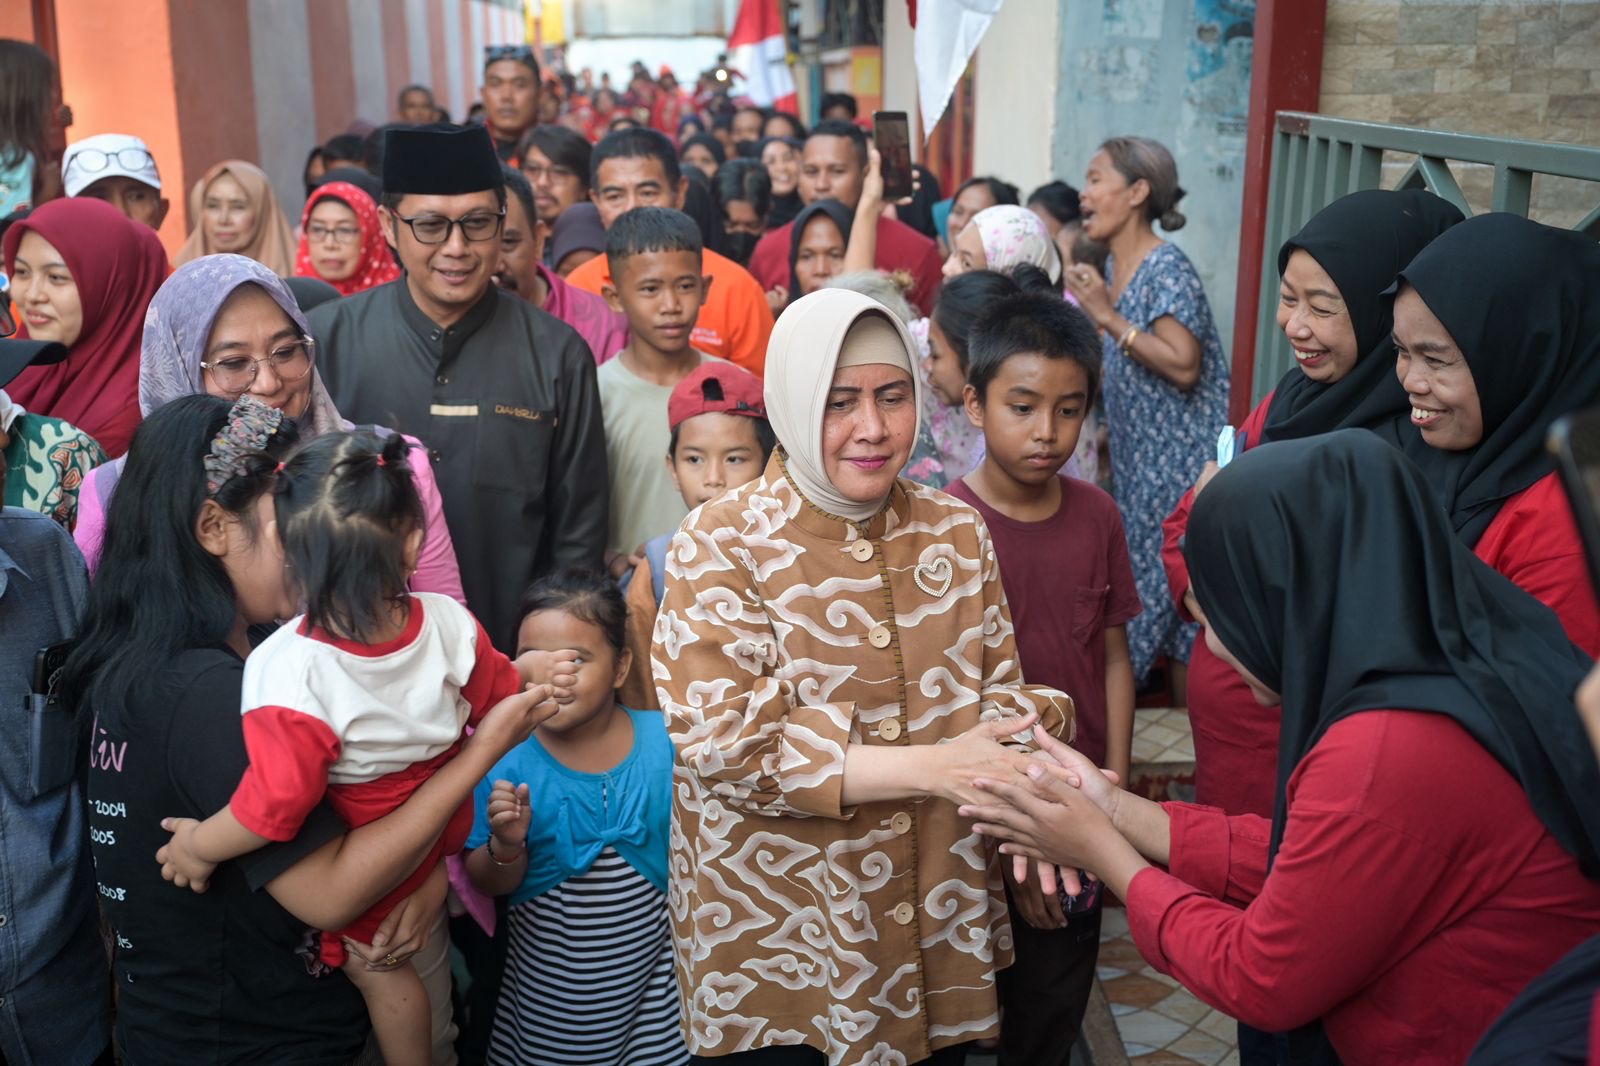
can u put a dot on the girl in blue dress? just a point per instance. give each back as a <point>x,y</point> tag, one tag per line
<point>572,825</point>
<point>1166,381</point>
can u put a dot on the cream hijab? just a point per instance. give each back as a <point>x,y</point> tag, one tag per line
<point>814,337</point>
<point>272,244</point>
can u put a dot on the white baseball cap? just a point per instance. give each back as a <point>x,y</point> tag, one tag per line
<point>108,155</point>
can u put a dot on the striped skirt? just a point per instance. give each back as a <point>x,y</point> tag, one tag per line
<point>589,975</point>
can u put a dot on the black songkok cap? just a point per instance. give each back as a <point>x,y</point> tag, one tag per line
<point>439,160</point>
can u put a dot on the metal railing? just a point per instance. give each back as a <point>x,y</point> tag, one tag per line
<point>1317,159</point>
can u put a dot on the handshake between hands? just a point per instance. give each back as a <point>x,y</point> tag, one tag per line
<point>1058,817</point>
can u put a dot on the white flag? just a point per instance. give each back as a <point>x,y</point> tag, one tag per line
<point>946,35</point>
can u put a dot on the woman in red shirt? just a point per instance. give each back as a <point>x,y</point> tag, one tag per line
<point>1332,309</point>
<point>1497,333</point>
<point>1435,831</point>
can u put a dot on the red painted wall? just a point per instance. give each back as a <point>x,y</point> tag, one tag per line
<point>1286,75</point>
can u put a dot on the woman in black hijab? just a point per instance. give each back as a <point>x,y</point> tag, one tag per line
<point>1358,243</point>
<point>1332,309</point>
<point>1435,817</point>
<point>1497,334</point>
<point>821,238</point>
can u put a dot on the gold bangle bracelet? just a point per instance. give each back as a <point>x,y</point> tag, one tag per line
<point>1127,339</point>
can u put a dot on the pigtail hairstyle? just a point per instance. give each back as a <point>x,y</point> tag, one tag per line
<point>587,595</point>
<point>158,592</point>
<point>346,504</point>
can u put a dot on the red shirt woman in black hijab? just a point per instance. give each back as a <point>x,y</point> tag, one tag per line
<point>1333,310</point>
<point>1435,832</point>
<point>1497,330</point>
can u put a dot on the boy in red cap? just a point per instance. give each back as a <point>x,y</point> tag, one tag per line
<point>720,440</point>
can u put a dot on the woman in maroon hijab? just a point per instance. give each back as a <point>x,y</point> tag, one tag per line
<point>82,274</point>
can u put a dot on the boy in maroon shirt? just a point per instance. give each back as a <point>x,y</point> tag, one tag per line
<point>1033,368</point>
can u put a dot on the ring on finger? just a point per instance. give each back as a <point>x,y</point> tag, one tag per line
<point>390,960</point>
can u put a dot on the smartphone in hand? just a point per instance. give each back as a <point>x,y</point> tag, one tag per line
<point>1574,440</point>
<point>891,132</point>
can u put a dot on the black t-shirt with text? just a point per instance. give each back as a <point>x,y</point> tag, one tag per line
<point>220,976</point>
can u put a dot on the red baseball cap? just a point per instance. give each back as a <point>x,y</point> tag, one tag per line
<point>716,388</point>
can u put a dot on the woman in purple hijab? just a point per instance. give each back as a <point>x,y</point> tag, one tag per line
<point>226,325</point>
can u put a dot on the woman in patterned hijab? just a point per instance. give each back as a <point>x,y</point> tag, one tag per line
<point>1001,238</point>
<point>341,240</point>
<point>220,309</point>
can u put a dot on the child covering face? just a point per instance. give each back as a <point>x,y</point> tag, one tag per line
<point>572,826</point>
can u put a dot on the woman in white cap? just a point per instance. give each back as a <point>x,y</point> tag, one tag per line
<point>119,169</point>
<point>836,665</point>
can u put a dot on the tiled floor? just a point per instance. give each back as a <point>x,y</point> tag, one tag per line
<point>1161,735</point>
<point>1161,1023</point>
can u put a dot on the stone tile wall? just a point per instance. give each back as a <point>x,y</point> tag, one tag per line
<point>1507,68</point>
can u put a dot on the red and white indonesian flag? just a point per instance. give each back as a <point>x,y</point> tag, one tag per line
<point>945,34</point>
<point>756,49</point>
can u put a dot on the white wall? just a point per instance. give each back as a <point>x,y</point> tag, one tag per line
<point>1014,93</point>
<point>899,70</point>
<point>286,112</point>
<point>368,60</point>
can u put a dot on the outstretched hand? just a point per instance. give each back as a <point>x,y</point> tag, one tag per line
<point>1072,766</point>
<point>511,721</point>
<point>558,669</point>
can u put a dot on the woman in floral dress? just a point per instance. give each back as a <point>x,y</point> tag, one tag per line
<point>1166,380</point>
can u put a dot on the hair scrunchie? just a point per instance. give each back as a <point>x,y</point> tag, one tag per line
<point>249,427</point>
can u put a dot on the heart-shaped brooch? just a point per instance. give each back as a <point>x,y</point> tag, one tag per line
<point>934,578</point>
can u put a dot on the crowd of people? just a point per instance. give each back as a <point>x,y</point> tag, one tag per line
<point>789,562</point>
